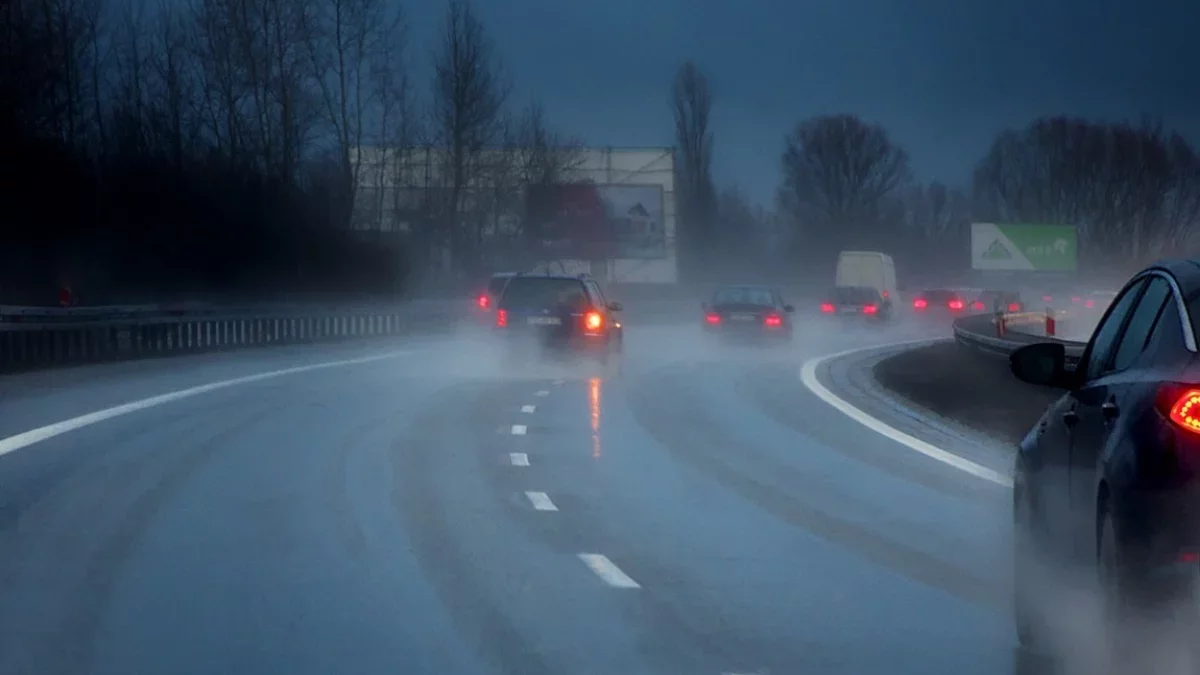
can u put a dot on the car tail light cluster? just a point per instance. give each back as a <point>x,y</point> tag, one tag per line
<point>1181,405</point>
<point>483,301</point>
<point>1090,304</point>
<point>501,318</point>
<point>1014,306</point>
<point>712,319</point>
<point>773,321</point>
<point>977,306</point>
<point>593,321</point>
<point>827,307</point>
<point>955,305</point>
<point>920,303</point>
<point>870,309</point>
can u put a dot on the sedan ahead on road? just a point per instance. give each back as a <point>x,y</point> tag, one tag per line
<point>1109,479</point>
<point>855,303</point>
<point>748,312</point>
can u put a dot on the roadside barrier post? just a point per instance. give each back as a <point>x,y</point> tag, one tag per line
<point>1050,322</point>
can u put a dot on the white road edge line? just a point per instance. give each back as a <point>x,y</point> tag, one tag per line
<point>519,429</point>
<point>541,501</point>
<point>28,438</point>
<point>808,376</point>
<point>518,458</point>
<point>541,392</point>
<point>606,570</point>
<point>528,409</point>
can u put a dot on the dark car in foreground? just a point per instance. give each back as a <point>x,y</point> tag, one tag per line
<point>560,314</point>
<point>1108,481</point>
<point>748,312</point>
<point>855,303</point>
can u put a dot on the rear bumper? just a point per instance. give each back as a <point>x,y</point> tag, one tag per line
<point>547,341</point>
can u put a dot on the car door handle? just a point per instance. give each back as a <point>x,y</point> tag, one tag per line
<point>1110,410</point>
<point>1070,418</point>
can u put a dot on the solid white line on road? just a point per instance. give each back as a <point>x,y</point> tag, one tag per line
<point>541,392</point>
<point>28,438</point>
<point>519,430</point>
<point>541,501</point>
<point>518,458</point>
<point>808,375</point>
<point>606,570</point>
<point>528,408</point>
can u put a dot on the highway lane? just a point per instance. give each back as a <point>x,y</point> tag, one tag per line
<point>698,512</point>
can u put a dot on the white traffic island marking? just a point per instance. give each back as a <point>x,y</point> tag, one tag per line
<point>541,501</point>
<point>606,570</point>
<point>528,409</point>
<point>541,392</point>
<point>519,429</point>
<point>518,458</point>
<point>808,376</point>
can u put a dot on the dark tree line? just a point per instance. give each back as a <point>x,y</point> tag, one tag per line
<point>211,148</point>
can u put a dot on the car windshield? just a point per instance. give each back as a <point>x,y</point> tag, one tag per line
<point>743,295</point>
<point>543,292</point>
<point>855,295</point>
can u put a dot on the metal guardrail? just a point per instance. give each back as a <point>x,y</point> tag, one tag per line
<point>979,332</point>
<point>30,346</point>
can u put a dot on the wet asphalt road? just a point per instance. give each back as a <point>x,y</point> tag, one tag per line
<point>699,512</point>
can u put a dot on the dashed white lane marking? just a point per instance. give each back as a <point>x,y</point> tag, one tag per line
<point>28,438</point>
<point>528,408</point>
<point>606,570</point>
<point>519,429</point>
<point>808,376</point>
<point>518,458</point>
<point>541,392</point>
<point>541,501</point>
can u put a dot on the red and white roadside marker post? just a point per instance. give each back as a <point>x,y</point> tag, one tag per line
<point>1050,327</point>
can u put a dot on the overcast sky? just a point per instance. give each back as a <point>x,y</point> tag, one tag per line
<point>943,76</point>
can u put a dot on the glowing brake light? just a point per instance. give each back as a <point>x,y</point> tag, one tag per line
<point>773,320</point>
<point>713,319</point>
<point>593,320</point>
<point>483,301</point>
<point>1185,410</point>
<point>1090,304</point>
<point>920,303</point>
<point>827,307</point>
<point>870,309</point>
<point>501,318</point>
<point>977,306</point>
<point>1047,298</point>
<point>955,304</point>
<point>1014,306</point>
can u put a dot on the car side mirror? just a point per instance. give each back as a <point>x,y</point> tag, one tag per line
<point>1043,363</point>
<point>789,309</point>
<point>615,306</point>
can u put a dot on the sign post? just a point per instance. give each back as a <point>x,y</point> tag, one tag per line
<point>1022,247</point>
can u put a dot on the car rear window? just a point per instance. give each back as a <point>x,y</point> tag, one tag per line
<point>855,295</point>
<point>542,292</point>
<point>497,284</point>
<point>743,296</point>
<point>939,295</point>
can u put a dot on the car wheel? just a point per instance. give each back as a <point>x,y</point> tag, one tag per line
<point>1028,612</point>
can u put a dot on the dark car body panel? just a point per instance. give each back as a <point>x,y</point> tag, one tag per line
<point>537,318</point>
<point>739,319</point>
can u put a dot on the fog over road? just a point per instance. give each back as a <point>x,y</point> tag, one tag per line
<point>428,511</point>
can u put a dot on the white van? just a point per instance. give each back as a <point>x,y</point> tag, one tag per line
<point>868,268</point>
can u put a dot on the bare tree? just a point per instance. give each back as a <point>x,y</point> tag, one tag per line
<point>691,106</point>
<point>837,173</point>
<point>469,93</point>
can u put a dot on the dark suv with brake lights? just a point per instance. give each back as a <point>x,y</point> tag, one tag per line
<point>560,314</point>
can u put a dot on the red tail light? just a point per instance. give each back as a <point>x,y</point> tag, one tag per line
<point>977,306</point>
<point>955,304</point>
<point>1047,298</point>
<point>713,319</point>
<point>593,321</point>
<point>773,320</point>
<point>483,301</point>
<point>1090,304</point>
<point>1181,405</point>
<point>827,307</point>
<point>870,309</point>
<point>920,303</point>
<point>501,318</point>
<point>1014,307</point>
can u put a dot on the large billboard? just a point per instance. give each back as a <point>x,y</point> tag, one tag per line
<point>593,221</point>
<point>1023,247</point>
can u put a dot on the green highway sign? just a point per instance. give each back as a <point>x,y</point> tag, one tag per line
<point>1022,247</point>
